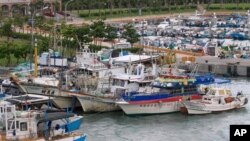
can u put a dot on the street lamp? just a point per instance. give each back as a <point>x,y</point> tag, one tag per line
<point>65,10</point>
<point>32,34</point>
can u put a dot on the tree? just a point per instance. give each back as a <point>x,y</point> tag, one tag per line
<point>43,44</point>
<point>6,51</point>
<point>6,29</point>
<point>97,30</point>
<point>68,33</point>
<point>130,34</point>
<point>82,34</point>
<point>17,52</point>
<point>18,21</point>
<point>110,33</point>
<point>39,21</point>
<point>25,50</point>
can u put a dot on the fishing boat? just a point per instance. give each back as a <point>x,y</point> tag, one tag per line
<point>2,95</point>
<point>216,100</point>
<point>39,125</point>
<point>46,86</point>
<point>141,24</point>
<point>9,88</point>
<point>163,96</point>
<point>163,25</point>
<point>103,99</point>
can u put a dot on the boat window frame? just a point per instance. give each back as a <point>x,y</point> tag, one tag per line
<point>24,126</point>
<point>211,92</point>
<point>17,124</point>
<point>228,92</point>
<point>221,92</point>
<point>119,82</point>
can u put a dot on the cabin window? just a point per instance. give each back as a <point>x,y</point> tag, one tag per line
<point>143,84</point>
<point>221,92</point>
<point>119,92</point>
<point>1,110</point>
<point>212,92</point>
<point>229,92</point>
<point>24,126</point>
<point>17,124</point>
<point>11,125</point>
<point>121,83</point>
<point>118,82</point>
<point>8,109</point>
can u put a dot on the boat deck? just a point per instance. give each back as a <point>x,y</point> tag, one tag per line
<point>30,99</point>
<point>55,116</point>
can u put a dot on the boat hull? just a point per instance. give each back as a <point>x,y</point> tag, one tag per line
<point>202,108</point>
<point>64,102</point>
<point>96,104</point>
<point>157,107</point>
<point>61,99</point>
<point>153,108</point>
<point>74,138</point>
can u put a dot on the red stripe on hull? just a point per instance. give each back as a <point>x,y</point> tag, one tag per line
<point>170,99</point>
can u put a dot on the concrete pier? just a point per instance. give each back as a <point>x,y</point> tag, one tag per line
<point>229,67</point>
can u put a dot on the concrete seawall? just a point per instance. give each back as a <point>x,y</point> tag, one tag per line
<point>230,67</point>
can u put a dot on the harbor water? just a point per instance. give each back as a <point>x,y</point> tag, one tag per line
<point>116,126</point>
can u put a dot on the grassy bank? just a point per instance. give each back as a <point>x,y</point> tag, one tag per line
<point>125,12</point>
<point>131,12</point>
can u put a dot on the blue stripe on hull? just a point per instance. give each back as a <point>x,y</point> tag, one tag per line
<point>82,138</point>
<point>142,97</point>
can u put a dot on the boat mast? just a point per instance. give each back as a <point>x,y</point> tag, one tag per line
<point>248,23</point>
<point>35,59</point>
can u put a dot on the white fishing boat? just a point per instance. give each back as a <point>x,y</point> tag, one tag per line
<point>47,86</point>
<point>163,25</point>
<point>141,24</point>
<point>216,100</point>
<point>104,97</point>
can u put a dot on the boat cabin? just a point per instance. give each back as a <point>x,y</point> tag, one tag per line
<point>132,80</point>
<point>219,92</point>
<point>19,125</point>
<point>218,96</point>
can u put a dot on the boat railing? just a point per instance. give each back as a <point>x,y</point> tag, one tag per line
<point>197,106</point>
<point>170,93</point>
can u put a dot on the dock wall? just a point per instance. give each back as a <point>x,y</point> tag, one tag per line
<point>229,67</point>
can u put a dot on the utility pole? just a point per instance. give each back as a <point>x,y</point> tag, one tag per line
<point>65,10</point>
<point>32,33</point>
<point>35,59</point>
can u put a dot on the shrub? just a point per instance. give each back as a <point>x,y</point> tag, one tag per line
<point>96,48</point>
